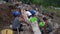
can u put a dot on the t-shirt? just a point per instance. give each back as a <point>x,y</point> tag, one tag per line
<point>28,13</point>
<point>16,23</point>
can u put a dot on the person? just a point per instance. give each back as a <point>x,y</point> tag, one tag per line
<point>49,28</point>
<point>28,14</point>
<point>48,25</point>
<point>17,21</point>
<point>44,18</point>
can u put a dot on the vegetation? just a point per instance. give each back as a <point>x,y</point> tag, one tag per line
<point>55,3</point>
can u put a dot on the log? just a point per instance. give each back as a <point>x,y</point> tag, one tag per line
<point>34,26</point>
<point>25,16</point>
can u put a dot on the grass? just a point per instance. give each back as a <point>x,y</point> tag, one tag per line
<point>56,11</point>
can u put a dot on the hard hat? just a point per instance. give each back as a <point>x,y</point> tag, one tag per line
<point>41,24</point>
<point>33,19</point>
<point>32,12</point>
<point>16,13</point>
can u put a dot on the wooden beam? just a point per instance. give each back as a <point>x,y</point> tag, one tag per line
<point>34,26</point>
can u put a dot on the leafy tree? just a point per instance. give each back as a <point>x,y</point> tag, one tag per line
<point>55,3</point>
<point>37,2</point>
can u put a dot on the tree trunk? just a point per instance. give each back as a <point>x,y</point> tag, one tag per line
<point>34,26</point>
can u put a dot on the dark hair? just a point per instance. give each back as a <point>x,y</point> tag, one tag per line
<point>44,18</point>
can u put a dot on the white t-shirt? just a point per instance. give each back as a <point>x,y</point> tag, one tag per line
<point>28,13</point>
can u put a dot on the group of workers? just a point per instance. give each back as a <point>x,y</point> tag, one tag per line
<point>30,13</point>
<point>19,18</point>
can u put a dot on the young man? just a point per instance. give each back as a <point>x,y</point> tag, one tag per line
<point>16,23</point>
<point>28,14</point>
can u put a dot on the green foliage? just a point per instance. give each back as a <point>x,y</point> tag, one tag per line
<point>37,2</point>
<point>45,2</point>
<point>51,3</point>
<point>24,1</point>
<point>58,13</point>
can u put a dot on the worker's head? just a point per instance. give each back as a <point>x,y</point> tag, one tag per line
<point>16,13</point>
<point>44,18</point>
<point>32,12</point>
